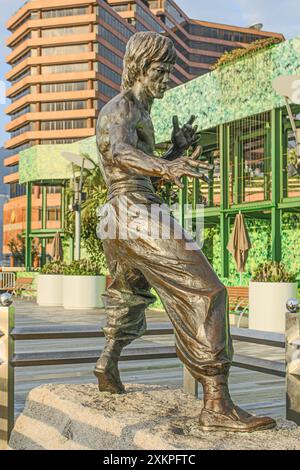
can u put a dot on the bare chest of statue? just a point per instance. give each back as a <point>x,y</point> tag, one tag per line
<point>145,133</point>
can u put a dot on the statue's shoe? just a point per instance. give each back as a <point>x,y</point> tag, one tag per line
<point>237,420</point>
<point>108,377</point>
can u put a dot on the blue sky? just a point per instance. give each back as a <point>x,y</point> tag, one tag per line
<point>276,15</point>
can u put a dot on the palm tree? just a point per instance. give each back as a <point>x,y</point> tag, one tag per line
<point>94,195</point>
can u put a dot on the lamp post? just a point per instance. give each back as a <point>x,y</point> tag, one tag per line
<point>81,162</point>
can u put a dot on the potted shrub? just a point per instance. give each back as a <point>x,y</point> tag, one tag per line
<point>271,286</point>
<point>83,285</point>
<point>50,284</point>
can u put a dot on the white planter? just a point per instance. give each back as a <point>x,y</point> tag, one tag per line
<point>49,290</point>
<point>83,292</point>
<point>267,305</point>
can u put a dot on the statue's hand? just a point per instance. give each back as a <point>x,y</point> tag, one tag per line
<point>186,166</point>
<point>184,137</point>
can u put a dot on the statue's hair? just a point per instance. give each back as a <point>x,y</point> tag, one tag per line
<point>143,49</point>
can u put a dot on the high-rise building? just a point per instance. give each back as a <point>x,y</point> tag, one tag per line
<point>4,195</point>
<point>66,63</point>
<point>199,44</point>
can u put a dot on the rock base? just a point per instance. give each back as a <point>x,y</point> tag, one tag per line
<point>78,417</point>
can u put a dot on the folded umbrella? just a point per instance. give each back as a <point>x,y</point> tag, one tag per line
<point>239,243</point>
<point>56,248</point>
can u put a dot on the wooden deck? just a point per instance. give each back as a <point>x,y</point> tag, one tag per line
<point>256,392</point>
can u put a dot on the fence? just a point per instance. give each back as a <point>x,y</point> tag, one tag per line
<point>9,334</point>
<point>7,281</point>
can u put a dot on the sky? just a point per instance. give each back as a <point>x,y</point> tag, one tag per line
<point>276,15</point>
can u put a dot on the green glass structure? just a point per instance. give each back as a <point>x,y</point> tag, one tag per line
<point>246,133</point>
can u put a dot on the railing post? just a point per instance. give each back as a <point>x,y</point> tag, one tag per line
<point>292,367</point>
<point>7,376</point>
<point>190,385</point>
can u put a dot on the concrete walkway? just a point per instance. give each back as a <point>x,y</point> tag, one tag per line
<point>259,393</point>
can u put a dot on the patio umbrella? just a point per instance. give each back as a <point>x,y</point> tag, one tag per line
<point>56,248</point>
<point>239,244</point>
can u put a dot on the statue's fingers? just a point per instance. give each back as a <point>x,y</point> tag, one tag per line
<point>196,153</point>
<point>175,123</point>
<point>193,174</point>
<point>191,120</point>
<point>178,182</point>
<point>193,163</point>
<point>194,143</point>
<point>205,166</point>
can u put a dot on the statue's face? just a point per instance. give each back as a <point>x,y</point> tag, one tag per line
<point>156,79</point>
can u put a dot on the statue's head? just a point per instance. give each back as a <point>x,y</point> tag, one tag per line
<point>149,59</point>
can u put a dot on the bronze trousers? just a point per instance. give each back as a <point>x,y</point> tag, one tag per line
<point>193,296</point>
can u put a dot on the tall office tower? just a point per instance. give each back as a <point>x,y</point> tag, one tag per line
<point>66,63</point>
<point>199,43</point>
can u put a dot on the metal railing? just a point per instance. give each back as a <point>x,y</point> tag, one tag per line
<point>9,360</point>
<point>7,281</point>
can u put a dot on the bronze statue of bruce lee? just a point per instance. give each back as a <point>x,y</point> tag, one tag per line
<point>193,296</point>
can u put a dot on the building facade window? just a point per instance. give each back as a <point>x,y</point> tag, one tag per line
<point>63,106</point>
<point>110,74</point>
<point>57,141</point>
<point>18,149</point>
<point>65,12</point>
<point>20,130</point>
<point>153,4</point>
<point>111,56</point>
<point>20,41</point>
<point>21,58</point>
<point>31,16</point>
<point>20,112</point>
<point>115,23</point>
<point>112,39</point>
<point>140,27</point>
<point>174,12</point>
<point>65,68</point>
<point>20,77</point>
<point>63,124</point>
<point>62,87</point>
<point>53,190</point>
<point>56,32</point>
<point>107,90</point>
<point>9,170</point>
<point>149,19</point>
<point>53,214</point>
<point>65,50</point>
<point>17,190</point>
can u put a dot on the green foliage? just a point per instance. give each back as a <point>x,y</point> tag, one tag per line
<point>272,271</point>
<point>84,267</point>
<point>261,251</point>
<point>293,157</point>
<point>54,267</point>
<point>257,46</point>
<point>17,249</point>
<point>290,242</point>
<point>96,194</point>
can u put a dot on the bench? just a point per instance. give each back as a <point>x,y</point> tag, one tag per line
<point>23,284</point>
<point>238,301</point>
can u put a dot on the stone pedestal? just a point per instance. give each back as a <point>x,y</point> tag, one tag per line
<point>78,417</point>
